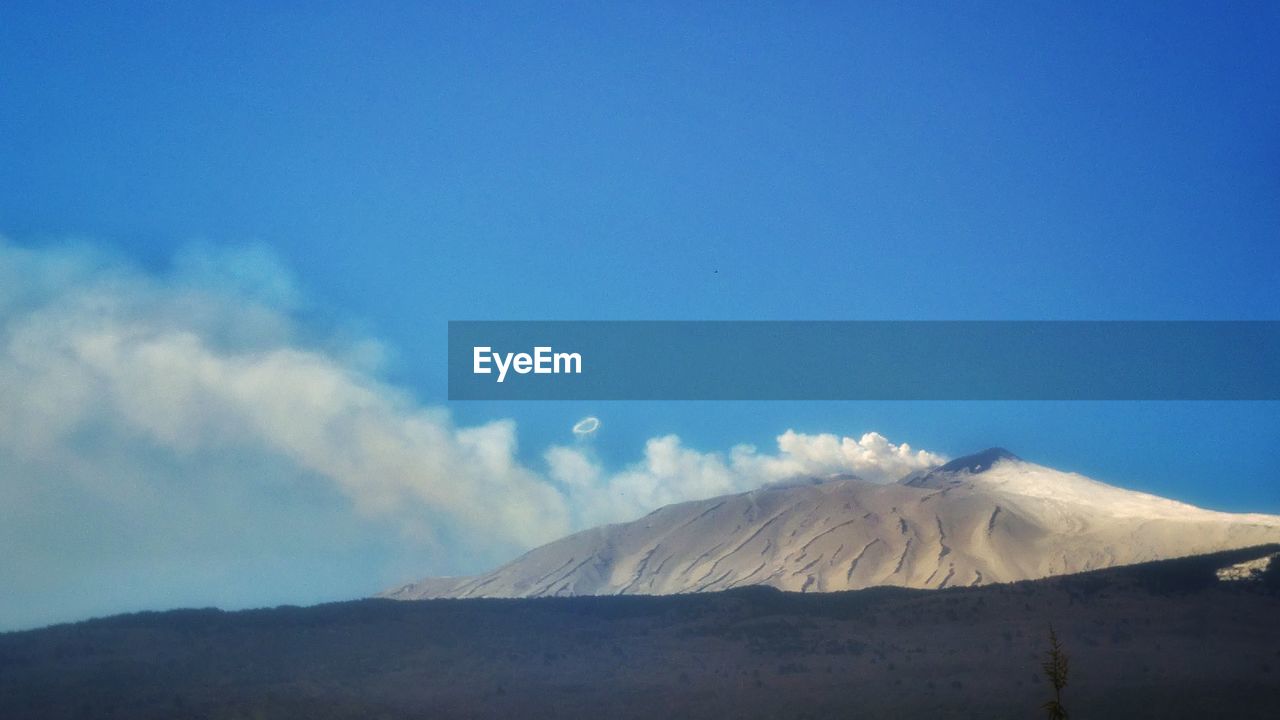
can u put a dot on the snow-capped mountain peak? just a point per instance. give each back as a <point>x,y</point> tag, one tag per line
<point>987,517</point>
<point>978,462</point>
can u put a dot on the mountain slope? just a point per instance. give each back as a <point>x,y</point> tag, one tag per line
<point>1157,640</point>
<point>985,518</point>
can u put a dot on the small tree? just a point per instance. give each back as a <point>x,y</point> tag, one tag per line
<point>1055,668</point>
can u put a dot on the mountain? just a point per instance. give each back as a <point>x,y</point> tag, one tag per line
<point>985,518</point>
<point>1157,640</point>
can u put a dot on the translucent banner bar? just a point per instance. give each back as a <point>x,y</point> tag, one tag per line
<point>863,360</point>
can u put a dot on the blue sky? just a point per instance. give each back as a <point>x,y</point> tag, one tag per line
<point>395,166</point>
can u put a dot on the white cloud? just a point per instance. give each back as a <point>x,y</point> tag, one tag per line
<point>673,473</point>
<point>180,367</point>
<point>871,457</point>
<point>586,427</point>
<point>143,413</point>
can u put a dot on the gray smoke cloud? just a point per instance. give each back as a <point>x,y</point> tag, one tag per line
<point>149,418</point>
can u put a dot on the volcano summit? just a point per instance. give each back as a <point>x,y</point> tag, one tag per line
<point>990,517</point>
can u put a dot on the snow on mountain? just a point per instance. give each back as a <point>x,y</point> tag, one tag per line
<point>984,518</point>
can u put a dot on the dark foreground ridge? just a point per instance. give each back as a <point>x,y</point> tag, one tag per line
<point>1163,639</point>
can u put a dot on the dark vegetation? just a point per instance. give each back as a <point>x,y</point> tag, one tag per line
<point>1157,640</point>
<point>1056,669</point>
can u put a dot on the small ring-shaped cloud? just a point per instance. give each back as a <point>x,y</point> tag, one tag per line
<point>586,426</point>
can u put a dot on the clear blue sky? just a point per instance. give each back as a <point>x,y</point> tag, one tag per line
<point>413,163</point>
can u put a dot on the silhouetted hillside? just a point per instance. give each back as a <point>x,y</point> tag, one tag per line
<point>1160,640</point>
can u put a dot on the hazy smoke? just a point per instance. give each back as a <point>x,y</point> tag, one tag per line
<point>141,412</point>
